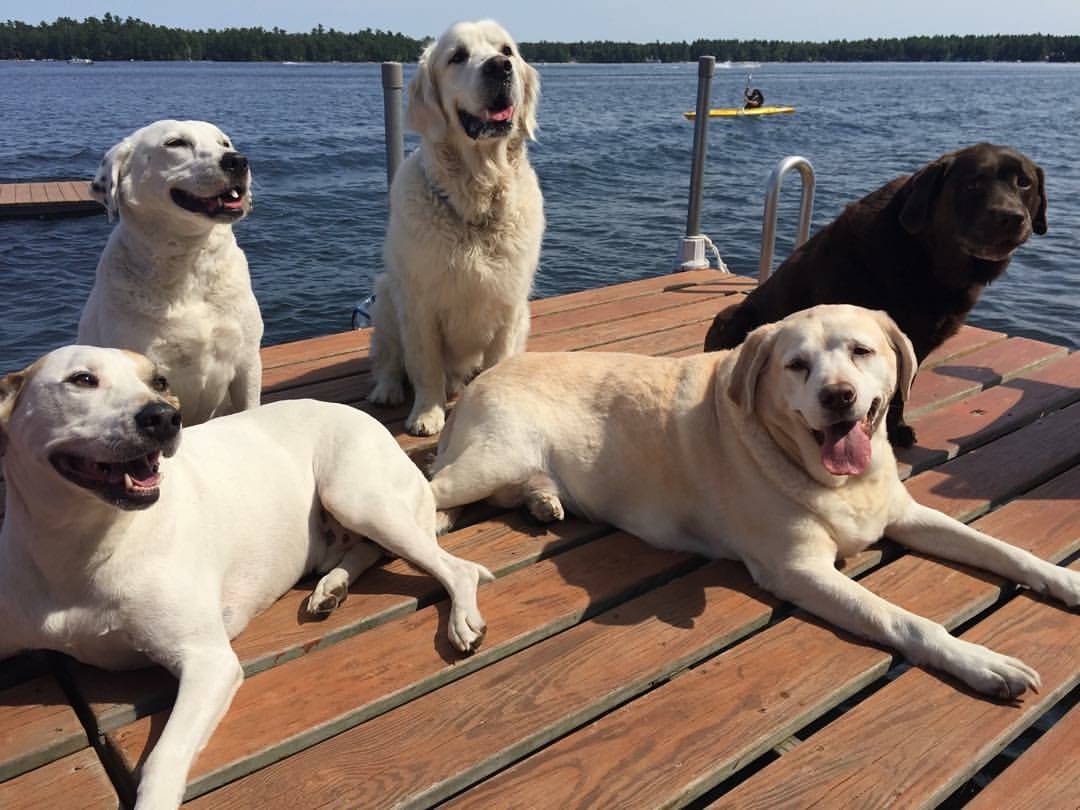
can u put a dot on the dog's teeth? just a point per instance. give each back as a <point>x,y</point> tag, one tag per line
<point>234,194</point>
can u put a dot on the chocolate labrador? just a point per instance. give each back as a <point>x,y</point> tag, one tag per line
<point>922,248</point>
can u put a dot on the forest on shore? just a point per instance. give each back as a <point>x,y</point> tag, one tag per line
<point>113,38</point>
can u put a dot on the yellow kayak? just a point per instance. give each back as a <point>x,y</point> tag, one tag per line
<point>739,112</point>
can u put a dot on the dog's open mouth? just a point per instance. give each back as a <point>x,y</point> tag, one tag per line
<point>229,204</point>
<point>131,484</point>
<point>845,446</point>
<point>493,122</point>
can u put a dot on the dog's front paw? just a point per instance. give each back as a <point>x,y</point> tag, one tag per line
<point>991,673</point>
<point>901,436</point>
<point>329,593</point>
<point>426,422</point>
<point>1063,584</point>
<point>387,394</point>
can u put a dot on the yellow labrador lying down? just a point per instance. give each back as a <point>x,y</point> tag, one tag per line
<point>773,453</point>
<point>115,553</point>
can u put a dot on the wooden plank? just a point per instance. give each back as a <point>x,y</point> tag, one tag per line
<point>962,376</point>
<point>271,717</point>
<point>387,592</point>
<point>7,193</point>
<point>37,726</point>
<point>24,193</point>
<point>968,339</point>
<point>76,782</point>
<point>967,486</point>
<point>921,737</point>
<point>679,741</point>
<point>990,414</point>
<point>1045,777</point>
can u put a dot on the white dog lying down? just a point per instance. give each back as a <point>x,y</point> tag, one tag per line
<point>772,453</point>
<point>172,283</point>
<point>114,561</point>
<point>466,220</point>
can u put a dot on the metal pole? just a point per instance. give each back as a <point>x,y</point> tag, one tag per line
<point>772,195</point>
<point>706,69</point>
<point>393,82</point>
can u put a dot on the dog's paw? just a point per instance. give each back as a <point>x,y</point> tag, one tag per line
<point>427,422</point>
<point>901,436</point>
<point>387,394</point>
<point>329,593</point>
<point>545,507</point>
<point>445,520</point>
<point>991,673</point>
<point>1063,584</point>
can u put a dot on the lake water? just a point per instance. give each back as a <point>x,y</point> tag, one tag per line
<point>613,157</point>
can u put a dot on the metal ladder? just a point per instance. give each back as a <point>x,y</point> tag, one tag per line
<point>692,246</point>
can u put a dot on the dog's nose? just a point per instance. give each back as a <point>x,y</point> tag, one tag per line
<point>158,420</point>
<point>1008,218</point>
<point>234,163</point>
<point>498,67</point>
<point>837,397</point>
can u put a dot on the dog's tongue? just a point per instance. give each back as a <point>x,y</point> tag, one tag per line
<point>499,115</point>
<point>846,449</point>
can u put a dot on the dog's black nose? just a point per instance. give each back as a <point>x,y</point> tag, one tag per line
<point>234,163</point>
<point>1008,218</point>
<point>158,420</point>
<point>498,67</point>
<point>837,397</point>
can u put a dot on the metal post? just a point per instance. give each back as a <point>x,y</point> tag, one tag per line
<point>772,194</point>
<point>692,248</point>
<point>393,82</point>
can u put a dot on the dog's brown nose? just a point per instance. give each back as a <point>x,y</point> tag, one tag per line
<point>234,163</point>
<point>498,67</point>
<point>159,421</point>
<point>837,397</point>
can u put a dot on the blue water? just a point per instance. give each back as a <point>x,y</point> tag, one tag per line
<point>613,159</point>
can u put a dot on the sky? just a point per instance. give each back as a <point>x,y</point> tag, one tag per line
<point>571,20</point>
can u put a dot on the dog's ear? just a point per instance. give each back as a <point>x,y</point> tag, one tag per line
<point>1038,218</point>
<point>425,114</point>
<point>10,388</point>
<point>906,362</point>
<point>921,191</point>
<point>532,99</point>
<point>753,356</point>
<point>105,187</point>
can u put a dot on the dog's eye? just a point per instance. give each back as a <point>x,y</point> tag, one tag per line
<point>159,384</point>
<point>861,351</point>
<point>459,56</point>
<point>507,50</point>
<point>83,379</point>
<point>1023,181</point>
<point>177,143</point>
<point>798,364</point>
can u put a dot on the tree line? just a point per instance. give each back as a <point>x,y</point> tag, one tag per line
<point>114,38</point>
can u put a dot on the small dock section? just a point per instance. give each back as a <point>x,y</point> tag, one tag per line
<point>614,674</point>
<point>47,198</point>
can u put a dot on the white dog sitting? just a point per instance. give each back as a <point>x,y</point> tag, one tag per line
<point>172,283</point>
<point>773,453</point>
<point>466,221</point>
<point>115,555</point>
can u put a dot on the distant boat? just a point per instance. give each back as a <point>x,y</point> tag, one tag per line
<point>739,112</point>
<point>75,60</point>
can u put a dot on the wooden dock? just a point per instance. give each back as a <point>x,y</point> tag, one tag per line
<point>615,675</point>
<point>49,198</point>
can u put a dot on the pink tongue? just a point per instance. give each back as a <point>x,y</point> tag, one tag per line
<point>846,449</point>
<point>501,115</point>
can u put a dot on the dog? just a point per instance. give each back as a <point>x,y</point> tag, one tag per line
<point>466,221</point>
<point>172,283</point>
<point>772,453</point>
<point>922,248</point>
<point>120,553</point>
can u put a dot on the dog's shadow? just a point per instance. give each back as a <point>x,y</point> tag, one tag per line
<point>1022,431</point>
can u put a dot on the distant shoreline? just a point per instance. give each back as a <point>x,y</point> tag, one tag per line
<point>114,39</point>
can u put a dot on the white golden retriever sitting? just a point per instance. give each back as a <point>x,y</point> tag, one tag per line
<point>466,221</point>
<point>172,283</point>
<point>773,453</point>
<point>118,552</point>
